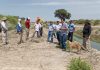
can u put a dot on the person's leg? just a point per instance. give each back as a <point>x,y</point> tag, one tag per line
<point>57,33</point>
<point>26,33</point>
<point>64,39</point>
<point>21,40</point>
<point>51,36</point>
<point>41,31</point>
<point>33,34</point>
<point>48,36</point>
<point>3,37</point>
<point>6,38</point>
<point>58,37</point>
<point>38,34</point>
<point>71,36</point>
<point>61,41</point>
<point>84,42</point>
<point>88,45</point>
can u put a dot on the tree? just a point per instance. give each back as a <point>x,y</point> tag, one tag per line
<point>62,14</point>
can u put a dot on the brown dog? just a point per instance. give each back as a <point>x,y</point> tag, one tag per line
<point>75,45</point>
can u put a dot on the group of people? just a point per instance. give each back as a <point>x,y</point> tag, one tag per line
<point>64,31</point>
<point>19,29</point>
<point>61,30</point>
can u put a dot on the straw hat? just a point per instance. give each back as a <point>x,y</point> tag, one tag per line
<point>4,18</point>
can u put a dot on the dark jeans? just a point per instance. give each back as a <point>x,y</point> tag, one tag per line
<point>63,39</point>
<point>41,31</point>
<point>58,36</point>
<point>50,36</point>
<point>70,36</point>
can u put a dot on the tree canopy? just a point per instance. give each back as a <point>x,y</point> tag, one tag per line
<point>62,14</point>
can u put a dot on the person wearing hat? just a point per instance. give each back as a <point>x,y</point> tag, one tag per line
<point>19,31</point>
<point>4,30</point>
<point>27,25</point>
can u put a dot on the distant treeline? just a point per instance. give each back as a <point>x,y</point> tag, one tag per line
<point>12,20</point>
<point>82,21</point>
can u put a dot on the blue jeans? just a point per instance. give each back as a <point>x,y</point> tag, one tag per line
<point>63,39</point>
<point>58,36</point>
<point>50,36</point>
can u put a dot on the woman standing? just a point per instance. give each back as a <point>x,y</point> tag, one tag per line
<point>37,28</point>
<point>86,35</point>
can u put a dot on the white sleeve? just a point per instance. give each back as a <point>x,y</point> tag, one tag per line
<point>3,25</point>
<point>66,25</point>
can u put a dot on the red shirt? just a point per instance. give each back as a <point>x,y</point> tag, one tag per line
<point>27,24</point>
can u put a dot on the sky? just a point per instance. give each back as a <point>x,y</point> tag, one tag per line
<point>79,9</point>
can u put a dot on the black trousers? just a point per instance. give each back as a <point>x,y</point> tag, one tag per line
<point>41,31</point>
<point>70,36</point>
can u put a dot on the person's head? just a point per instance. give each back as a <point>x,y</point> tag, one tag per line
<point>51,22</point>
<point>71,21</point>
<point>19,20</point>
<point>87,23</point>
<point>4,19</point>
<point>62,20</point>
<point>58,22</point>
<point>38,21</point>
<point>28,18</point>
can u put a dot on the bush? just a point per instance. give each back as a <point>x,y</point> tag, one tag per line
<point>79,64</point>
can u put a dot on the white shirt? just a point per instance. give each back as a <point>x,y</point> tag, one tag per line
<point>19,24</point>
<point>4,26</point>
<point>58,26</point>
<point>37,26</point>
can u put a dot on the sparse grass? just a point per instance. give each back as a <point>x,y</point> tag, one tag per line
<point>79,64</point>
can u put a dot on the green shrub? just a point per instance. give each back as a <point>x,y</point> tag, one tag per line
<point>79,64</point>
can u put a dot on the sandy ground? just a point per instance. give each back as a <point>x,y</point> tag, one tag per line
<point>32,55</point>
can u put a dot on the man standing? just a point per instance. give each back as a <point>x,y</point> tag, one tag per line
<point>86,35</point>
<point>71,28</point>
<point>19,31</point>
<point>4,30</point>
<point>63,37</point>
<point>58,33</point>
<point>27,25</point>
<point>50,32</point>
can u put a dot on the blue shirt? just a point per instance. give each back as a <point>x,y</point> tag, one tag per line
<point>71,27</point>
<point>50,26</point>
<point>19,28</point>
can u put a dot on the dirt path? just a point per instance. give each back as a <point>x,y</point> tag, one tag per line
<point>34,56</point>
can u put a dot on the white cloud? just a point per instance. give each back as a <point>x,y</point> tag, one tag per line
<point>65,3</point>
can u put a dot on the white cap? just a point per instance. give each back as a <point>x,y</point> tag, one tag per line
<point>28,17</point>
<point>19,20</point>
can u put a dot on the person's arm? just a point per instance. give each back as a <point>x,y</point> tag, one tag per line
<point>74,27</point>
<point>4,26</point>
<point>89,30</point>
